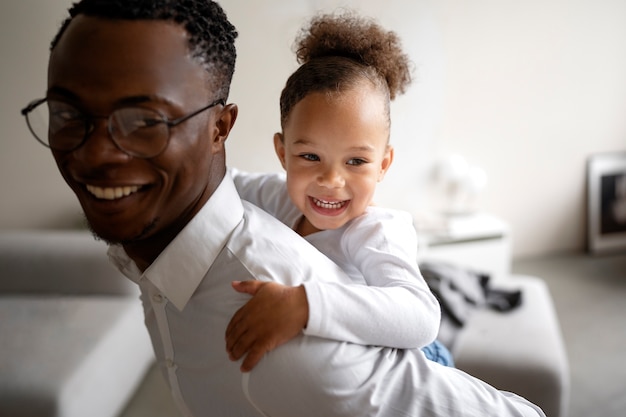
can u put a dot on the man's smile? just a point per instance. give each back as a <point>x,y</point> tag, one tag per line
<point>111,193</point>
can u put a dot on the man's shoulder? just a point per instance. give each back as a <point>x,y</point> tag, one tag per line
<point>266,228</point>
<point>276,253</point>
<point>258,220</point>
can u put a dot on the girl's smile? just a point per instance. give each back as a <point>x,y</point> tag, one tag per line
<point>329,207</point>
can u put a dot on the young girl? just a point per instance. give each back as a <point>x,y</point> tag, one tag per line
<point>334,147</point>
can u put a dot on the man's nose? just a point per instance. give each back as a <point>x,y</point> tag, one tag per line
<point>99,148</point>
<point>331,177</point>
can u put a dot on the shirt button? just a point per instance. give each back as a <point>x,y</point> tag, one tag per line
<point>169,363</point>
<point>157,298</point>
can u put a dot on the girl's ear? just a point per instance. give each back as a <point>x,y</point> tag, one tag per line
<point>279,147</point>
<point>224,123</point>
<point>386,162</point>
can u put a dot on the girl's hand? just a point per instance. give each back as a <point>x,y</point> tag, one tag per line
<point>275,314</point>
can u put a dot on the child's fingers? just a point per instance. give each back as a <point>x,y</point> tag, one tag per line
<point>247,287</point>
<point>233,330</point>
<point>238,341</point>
<point>239,347</point>
<point>252,359</point>
<point>237,331</point>
<point>240,322</point>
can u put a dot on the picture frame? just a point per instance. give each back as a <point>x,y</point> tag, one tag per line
<point>606,203</point>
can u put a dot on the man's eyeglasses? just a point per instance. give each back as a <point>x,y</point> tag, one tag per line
<point>138,131</point>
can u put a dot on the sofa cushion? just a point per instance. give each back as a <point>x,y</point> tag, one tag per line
<point>58,261</point>
<point>70,356</point>
<point>521,350</point>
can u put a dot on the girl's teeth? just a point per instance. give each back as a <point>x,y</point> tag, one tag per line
<point>111,193</point>
<point>328,204</point>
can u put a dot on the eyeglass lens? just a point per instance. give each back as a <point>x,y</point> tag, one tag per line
<point>137,131</point>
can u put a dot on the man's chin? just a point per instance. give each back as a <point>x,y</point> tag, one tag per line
<point>102,235</point>
<point>116,235</point>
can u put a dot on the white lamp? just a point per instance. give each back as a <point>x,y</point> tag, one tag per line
<point>461,184</point>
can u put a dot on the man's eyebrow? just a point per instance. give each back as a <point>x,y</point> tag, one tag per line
<point>139,99</point>
<point>124,101</point>
<point>60,91</point>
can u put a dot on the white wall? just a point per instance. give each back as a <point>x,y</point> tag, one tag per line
<point>33,193</point>
<point>532,89</point>
<point>526,90</point>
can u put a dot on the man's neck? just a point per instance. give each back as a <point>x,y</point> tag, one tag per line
<point>145,251</point>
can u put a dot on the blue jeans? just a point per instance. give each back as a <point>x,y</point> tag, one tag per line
<point>437,352</point>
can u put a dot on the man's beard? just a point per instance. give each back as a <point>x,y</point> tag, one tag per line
<point>146,230</point>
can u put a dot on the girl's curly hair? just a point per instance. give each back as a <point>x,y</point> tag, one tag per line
<point>336,52</point>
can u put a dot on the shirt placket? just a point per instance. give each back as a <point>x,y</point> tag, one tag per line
<point>159,304</point>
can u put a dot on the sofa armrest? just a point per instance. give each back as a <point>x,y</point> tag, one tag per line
<point>58,261</point>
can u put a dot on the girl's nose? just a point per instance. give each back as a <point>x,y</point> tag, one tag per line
<point>331,178</point>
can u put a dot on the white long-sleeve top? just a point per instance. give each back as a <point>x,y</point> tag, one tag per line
<point>188,301</point>
<point>393,307</point>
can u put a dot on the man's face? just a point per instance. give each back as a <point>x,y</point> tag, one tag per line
<point>101,65</point>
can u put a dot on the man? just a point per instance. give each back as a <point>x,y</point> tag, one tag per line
<point>136,117</point>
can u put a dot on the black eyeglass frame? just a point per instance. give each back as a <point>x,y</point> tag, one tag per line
<point>89,125</point>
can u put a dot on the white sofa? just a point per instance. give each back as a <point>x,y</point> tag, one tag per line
<point>73,342</point>
<point>521,350</point>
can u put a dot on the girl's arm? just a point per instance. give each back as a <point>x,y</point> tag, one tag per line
<point>268,192</point>
<point>395,308</point>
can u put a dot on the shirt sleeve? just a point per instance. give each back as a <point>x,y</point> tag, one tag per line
<point>266,191</point>
<point>395,308</point>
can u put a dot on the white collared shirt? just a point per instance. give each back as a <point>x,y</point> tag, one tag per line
<point>188,302</point>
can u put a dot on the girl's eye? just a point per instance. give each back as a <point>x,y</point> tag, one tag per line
<point>309,157</point>
<point>356,161</point>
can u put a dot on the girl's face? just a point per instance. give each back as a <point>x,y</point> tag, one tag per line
<point>335,151</point>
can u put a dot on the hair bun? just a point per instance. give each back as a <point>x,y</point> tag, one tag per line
<point>358,38</point>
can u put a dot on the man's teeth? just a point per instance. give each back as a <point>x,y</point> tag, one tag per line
<point>111,193</point>
<point>329,204</point>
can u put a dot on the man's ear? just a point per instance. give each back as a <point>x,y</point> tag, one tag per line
<point>279,147</point>
<point>386,162</point>
<point>224,123</point>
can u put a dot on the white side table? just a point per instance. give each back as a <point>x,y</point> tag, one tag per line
<point>478,241</point>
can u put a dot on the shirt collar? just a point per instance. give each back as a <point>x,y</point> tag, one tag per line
<point>180,268</point>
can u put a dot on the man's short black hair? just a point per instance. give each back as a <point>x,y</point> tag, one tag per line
<point>211,35</point>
